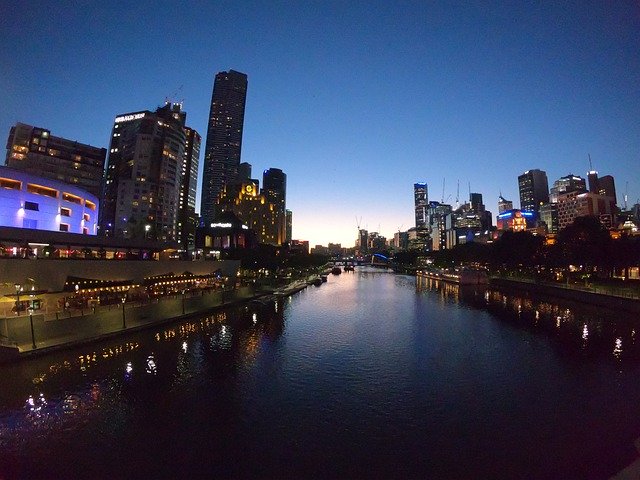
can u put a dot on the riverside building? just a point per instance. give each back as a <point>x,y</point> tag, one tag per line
<point>34,150</point>
<point>224,139</point>
<point>152,161</point>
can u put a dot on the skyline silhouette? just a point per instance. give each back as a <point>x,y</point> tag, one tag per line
<point>354,102</point>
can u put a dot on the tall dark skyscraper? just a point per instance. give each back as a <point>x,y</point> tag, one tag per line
<point>534,189</point>
<point>224,139</point>
<point>274,188</point>
<point>420,197</point>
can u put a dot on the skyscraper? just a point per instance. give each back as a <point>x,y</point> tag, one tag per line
<point>224,139</point>
<point>145,173</point>
<point>504,204</point>
<point>420,196</point>
<point>567,184</point>
<point>534,189</point>
<point>274,188</point>
<point>187,218</point>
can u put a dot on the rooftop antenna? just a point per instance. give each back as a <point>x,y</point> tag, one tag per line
<point>590,164</point>
<point>442,199</point>
<point>469,184</point>
<point>458,195</point>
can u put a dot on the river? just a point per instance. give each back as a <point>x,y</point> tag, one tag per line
<point>370,375</point>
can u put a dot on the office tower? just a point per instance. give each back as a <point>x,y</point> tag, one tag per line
<point>34,150</point>
<point>421,196</point>
<point>224,139</point>
<point>594,185</point>
<point>549,216</point>
<point>244,171</point>
<point>567,184</point>
<point>362,242</point>
<point>187,218</point>
<point>144,176</point>
<point>274,188</point>
<point>534,189</point>
<point>289,220</point>
<point>579,204</point>
<point>607,187</point>
<point>476,202</point>
<point>504,204</point>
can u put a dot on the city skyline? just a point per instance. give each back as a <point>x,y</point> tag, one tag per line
<point>354,103</point>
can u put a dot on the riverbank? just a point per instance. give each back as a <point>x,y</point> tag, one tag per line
<point>26,336</point>
<point>597,298</point>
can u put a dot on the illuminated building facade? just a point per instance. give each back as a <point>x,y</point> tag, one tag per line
<point>227,233</point>
<point>534,189</point>
<point>38,203</point>
<point>516,220</point>
<point>144,175</point>
<point>36,151</point>
<point>187,218</point>
<point>254,210</point>
<point>567,184</point>
<point>224,139</point>
<point>573,205</point>
<point>420,196</point>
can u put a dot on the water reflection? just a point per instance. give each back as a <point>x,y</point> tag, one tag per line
<point>576,327</point>
<point>96,382</point>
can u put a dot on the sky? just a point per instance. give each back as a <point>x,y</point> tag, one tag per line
<point>354,101</point>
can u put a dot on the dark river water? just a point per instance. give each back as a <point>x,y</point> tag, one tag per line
<point>370,375</point>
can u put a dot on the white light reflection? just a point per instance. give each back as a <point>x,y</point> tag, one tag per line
<point>255,317</point>
<point>184,347</point>
<point>127,371</point>
<point>585,332</point>
<point>617,349</point>
<point>151,365</point>
<point>537,315</point>
<point>558,319</point>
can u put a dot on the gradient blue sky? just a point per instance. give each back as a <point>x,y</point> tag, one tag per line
<point>355,101</point>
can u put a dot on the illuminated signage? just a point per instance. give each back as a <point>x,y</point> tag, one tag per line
<point>221,225</point>
<point>128,118</point>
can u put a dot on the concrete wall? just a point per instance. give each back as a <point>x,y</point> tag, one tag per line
<point>17,331</point>
<point>50,274</point>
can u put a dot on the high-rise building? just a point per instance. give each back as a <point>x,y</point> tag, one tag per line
<point>274,188</point>
<point>187,217</point>
<point>34,150</point>
<point>607,187</point>
<point>289,220</point>
<point>577,204</point>
<point>421,197</point>
<point>594,185</point>
<point>534,189</point>
<point>567,184</point>
<point>504,204</point>
<point>145,175</point>
<point>224,139</point>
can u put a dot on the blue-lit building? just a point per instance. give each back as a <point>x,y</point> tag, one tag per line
<point>39,203</point>
<point>516,220</point>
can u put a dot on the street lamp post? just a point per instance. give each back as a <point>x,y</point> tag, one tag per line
<point>18,288</point>
<point>124,325</point>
